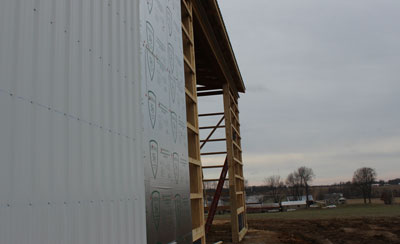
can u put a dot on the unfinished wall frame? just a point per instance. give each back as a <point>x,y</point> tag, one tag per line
<point>196,186</point>
<point>211,69</point>
<point>233,165</point>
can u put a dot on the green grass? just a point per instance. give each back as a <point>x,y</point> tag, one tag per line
<point>345,211</point>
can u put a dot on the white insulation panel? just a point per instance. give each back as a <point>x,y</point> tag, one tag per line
<point>164,123</point>
<point>71,167</point>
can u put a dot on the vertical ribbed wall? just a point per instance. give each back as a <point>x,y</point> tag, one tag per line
<point>70,167</point>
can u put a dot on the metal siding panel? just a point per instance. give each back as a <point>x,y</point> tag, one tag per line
<point>70,135</point>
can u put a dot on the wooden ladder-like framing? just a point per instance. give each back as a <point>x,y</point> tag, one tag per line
<point>235,165</point>
<point>195,170</point>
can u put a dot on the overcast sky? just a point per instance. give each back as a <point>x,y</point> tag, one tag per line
<point>323,86</point>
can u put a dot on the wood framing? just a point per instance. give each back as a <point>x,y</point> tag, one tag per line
<point>195,170</point>
<point>233,152</point>
<point>211,70</point>
<point>235,166</point>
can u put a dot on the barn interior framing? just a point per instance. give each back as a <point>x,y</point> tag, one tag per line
<point>211,70</point>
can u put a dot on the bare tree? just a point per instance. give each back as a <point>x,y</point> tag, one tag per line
<point>276,185</point>
<point>363,179</point>
<point>294,184</point>
<point>306,176</point>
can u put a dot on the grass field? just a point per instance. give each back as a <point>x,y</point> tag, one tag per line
<point>349,224</point>
<point>354,209</point>
<point>344,211</point>
<point>373,200</point>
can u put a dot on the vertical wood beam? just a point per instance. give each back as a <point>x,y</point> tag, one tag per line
<point>195,167</point>
<point>235,166</point>
<point>231,165</point>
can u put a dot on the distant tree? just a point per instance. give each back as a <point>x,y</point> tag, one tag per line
<point>387,196</point>
<point>294,185</point>
<point>306,176</point>
<point>394,181</point>
<point>363,179</point>
<point>276,186</point>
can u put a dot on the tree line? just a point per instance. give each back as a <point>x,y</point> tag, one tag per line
<point>297,184</point>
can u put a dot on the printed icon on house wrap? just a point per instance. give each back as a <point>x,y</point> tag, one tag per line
<point>178,209</point>
<point>171,64</point>
<point>169,21</point>
<point>174,125</point>
<point>156,208</point>
<point>150,5</point>
<point>152,105</point>
<point>175,163</point>
<point>150,57</point>
<point>153,149</point>
<point>172,88</point>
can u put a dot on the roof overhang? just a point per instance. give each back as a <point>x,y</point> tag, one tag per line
<point>215,60</point>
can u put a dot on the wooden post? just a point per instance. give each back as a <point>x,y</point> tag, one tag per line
<point>195,170</point>
<point>234,157</point>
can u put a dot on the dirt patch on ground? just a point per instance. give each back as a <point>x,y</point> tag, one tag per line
<point>319,231</point>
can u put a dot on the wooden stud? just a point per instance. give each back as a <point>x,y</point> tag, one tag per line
<point>195,167</point>
<point>211,127</point>
<point>236,179</point>
<point>212,153</point>
<point>210,93</point>
<point>212,166</point>
<point>211,114</point>
<point>213,140</point>
<point>212,132</point>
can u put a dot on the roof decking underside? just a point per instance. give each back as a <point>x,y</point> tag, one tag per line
<point>215,60</point>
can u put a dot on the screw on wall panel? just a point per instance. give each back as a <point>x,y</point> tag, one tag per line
<point>51,22</point>
<point>90,49</point>
<point>48,203</point>
<point>35,9</point>
<point>8,205</point>
<point>65,203</point>
<point>30,204</point>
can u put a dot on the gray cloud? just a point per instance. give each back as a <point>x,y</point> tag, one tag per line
<point>323,77</point>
